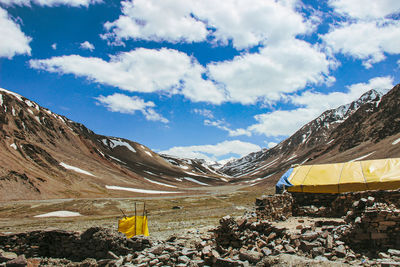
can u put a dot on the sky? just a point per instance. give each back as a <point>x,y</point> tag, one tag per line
<point>198,78</point>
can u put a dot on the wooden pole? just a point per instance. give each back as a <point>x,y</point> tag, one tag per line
<point>123,213</point>
<point>135,218</point>
<point>143,226</point>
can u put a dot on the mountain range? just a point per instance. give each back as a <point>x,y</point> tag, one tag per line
<point>367,128</point>
<point>44,155</point>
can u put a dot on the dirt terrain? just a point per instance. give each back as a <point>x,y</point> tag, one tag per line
<point>167,214</point>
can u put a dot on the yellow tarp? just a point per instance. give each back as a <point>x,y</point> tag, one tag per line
<point>383,174</point>
<point>135,225</point>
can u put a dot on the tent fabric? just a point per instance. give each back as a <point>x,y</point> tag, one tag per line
<point>382,174</point>
<point>135,225</point>
<point>283,182</point>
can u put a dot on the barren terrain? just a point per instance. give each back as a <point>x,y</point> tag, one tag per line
<point>190,213</point>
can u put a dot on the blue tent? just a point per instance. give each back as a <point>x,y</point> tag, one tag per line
<point>283,182</point>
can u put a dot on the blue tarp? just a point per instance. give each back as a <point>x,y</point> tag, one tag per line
<point>283,181</point>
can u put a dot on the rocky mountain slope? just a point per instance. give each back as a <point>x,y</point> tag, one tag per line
<point>367,128</point>
<point>45,155</point>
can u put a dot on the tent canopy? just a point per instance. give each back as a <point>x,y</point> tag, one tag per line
<point>382,174</point>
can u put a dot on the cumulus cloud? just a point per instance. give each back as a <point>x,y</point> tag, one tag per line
<point>273,71</point>
<point>13,40</point>
<point>50,3</point>
<point>244,22</point>
<point>212,152</point>
<point>220,124</point>
<point>365,40</point>
<point>141,70</point>
<point>366,9</point>
<point>86,45</point>
<point>129,105</point>
<point>310,105</point>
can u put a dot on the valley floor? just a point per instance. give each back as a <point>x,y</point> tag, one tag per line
<point>167,214</point>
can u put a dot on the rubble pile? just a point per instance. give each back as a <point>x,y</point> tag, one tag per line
<point>276,207</point>
<point>96,242</point>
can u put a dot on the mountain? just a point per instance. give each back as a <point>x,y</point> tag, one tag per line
<point>45,155</point>
<point>367,128</point>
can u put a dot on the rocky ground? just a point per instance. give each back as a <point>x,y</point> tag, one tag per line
<point>245,240</point>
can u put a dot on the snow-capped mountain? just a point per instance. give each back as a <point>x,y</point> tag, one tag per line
<point>316,141</point>
<point>46,155</point>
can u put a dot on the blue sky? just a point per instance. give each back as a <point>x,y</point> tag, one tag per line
<point>207,79</point>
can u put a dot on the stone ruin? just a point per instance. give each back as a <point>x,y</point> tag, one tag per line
<point>367,233</point>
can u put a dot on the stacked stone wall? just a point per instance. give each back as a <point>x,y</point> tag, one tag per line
<point>96,242</point>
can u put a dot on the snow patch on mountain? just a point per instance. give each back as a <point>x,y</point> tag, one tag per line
<point>112,143</point>
<point>137,190</point>
<point>195,181</point>
<point>158,183</point>
<point>75,169</point>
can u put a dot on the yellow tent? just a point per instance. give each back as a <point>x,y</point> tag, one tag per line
<point>135,225</point>
<point>382,174</point>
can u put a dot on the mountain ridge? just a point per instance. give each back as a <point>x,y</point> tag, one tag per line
<point>46,155</point>
<point>312,143</point>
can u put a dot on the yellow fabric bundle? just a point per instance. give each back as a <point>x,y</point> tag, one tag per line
<point>135,225</point>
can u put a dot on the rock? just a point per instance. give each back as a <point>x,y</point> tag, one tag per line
<point>7,256</point>
<point>112,255</point>
<point>394,252</point>
<point>309,236</point>
<point>206,251</point>
<point>266,251</point>
<point>340,251</point>
<point>383,255</point>
<point>329,242</point>
<point>289,249</point>
<point>221,262</point>
<point>251,256</point>
<point>188,252</point>
<point>164,258</point>
<point>153,262</point>
<point>157,250</point>
<point>307,246</point>
<point>183,259</point>
<point>20,261</point>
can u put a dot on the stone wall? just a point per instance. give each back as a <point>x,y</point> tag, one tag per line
<point>337,205</point>
<point>373,217</point>
<point>374,225</point>
<point>275,207</point>
<point>96,242</point>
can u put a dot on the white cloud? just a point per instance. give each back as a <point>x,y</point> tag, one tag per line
<point>246,22</point>
<point>362,9</point>
<point>220,124</point>
<point>204,112</point>
<point>141,70</point>
<point>51,3</point>
<point>129,105</point>
<point>54,46</point>
<point>87,45</point>
<point>212,152</point>
<point>13,40</point>
<point>271,144</point>
<point>273,71</point>
<point>365,40</point>
<point>312,104</point>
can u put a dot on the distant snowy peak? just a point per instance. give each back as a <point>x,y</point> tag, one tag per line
<point>311,135</point>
